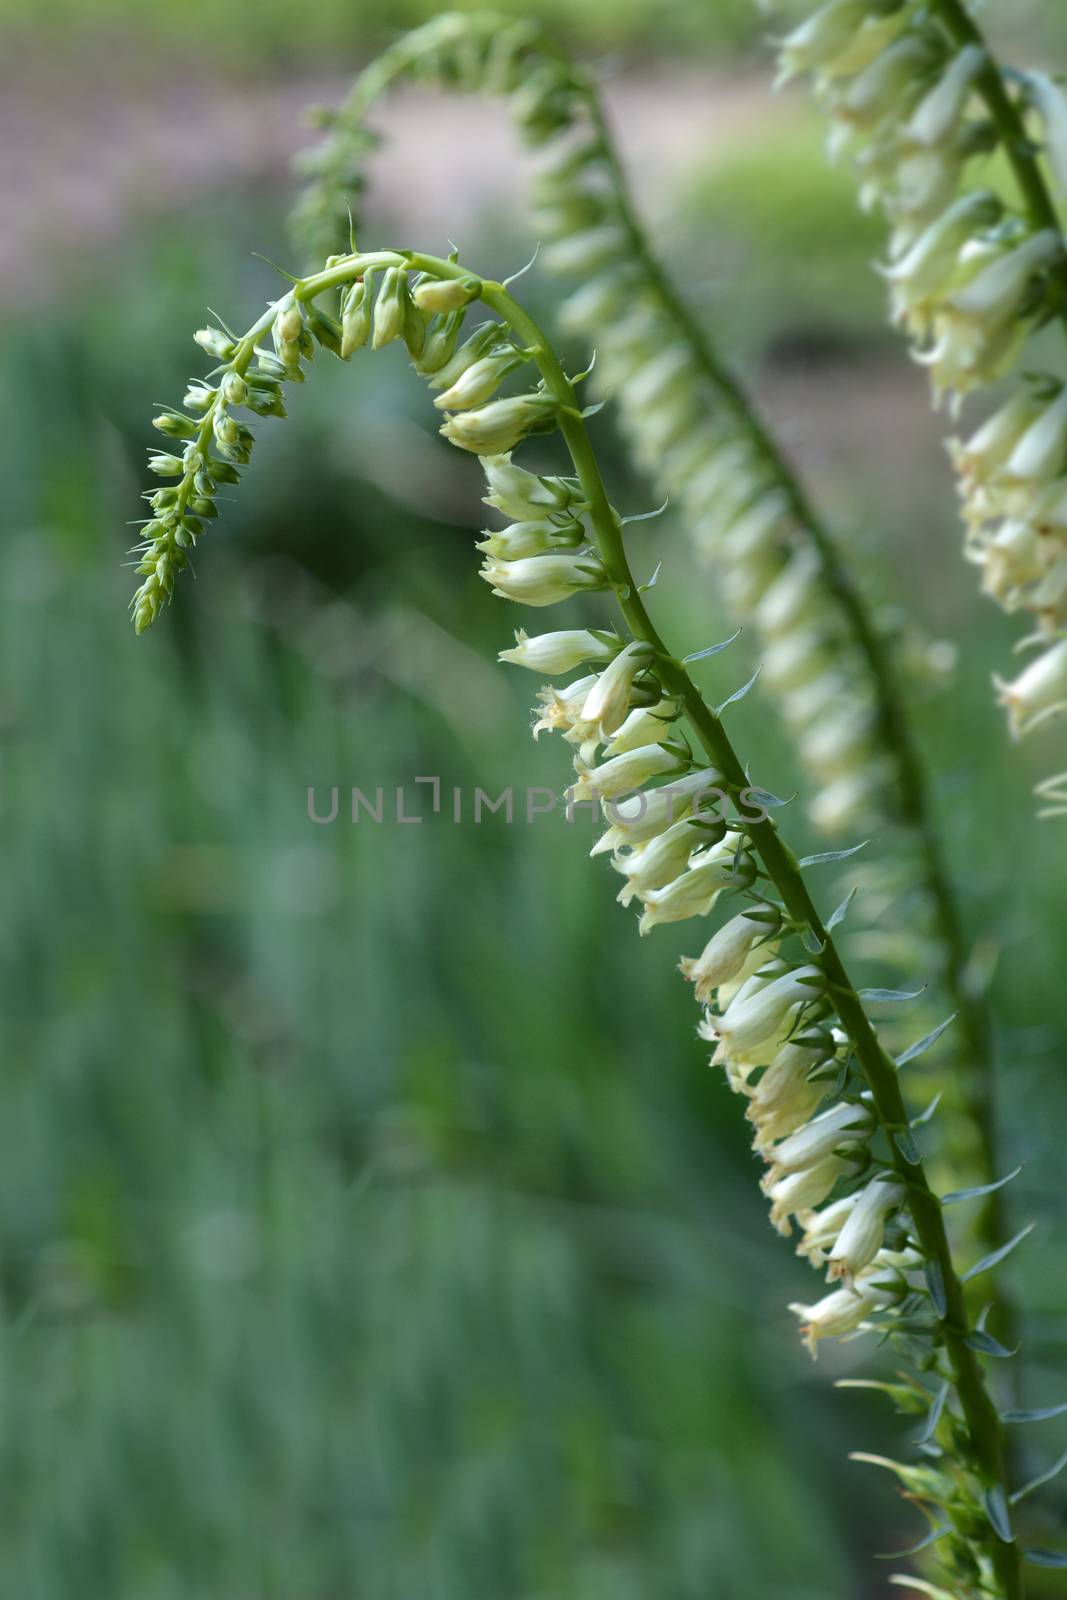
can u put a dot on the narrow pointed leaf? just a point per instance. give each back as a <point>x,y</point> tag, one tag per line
<point>924,1116</point>
<point>1044,1477</point>
<point>928,1039</point>
<point>924,1544</point>
<point>712,650</point>
<point>997,1511</point>
<point>890,996</point>
<point>833,855</point>
<point>1041,1414</point>
<point>996,1256</point>
<point>904,1140</point>
<point>1045,1558</point>
<point>643,588</point>
<point>976,1194</point>
<point>934,1415</point>
<point>738,694</point>
<point>935,1282</point>
<point>986,1345</point>
<point>842,911</point>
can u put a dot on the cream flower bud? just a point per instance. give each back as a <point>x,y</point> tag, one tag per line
<point>991,445</point>
<point>640,817</point>
<point>938,112</point>
<point>390,308</point>
<point>994,293</point>
<point>441,295</point>
<point>644,725</point>
<point>543,580</point>
<point>559,652</point>
<point>216,343</point>
<point>818,41</point>
<point>695,892</point>
<point>785,1096</point>
<point>1038,693</point>
<point>819,1229</point>
<point>928,265</point>
<point>1051,105</point>
<point>660,861</point>
<point>886,86</point>
<point>521,494</point>
<point>471,350</point>
<point>1041,453</point>
<point>530,539</point>
<point>724,955</point>
<point>500,425</point>
<point>800,1191</point>
<point>626,773</point>
<point>842,1311</point>
<point>609,700</point>
<point>842,1124</point>
<point>861,1236</point>
<point>749,1021</point>
<point>480,381</point>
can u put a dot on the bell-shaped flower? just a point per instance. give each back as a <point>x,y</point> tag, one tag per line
<point>694,893</point>
<point>1038,693</point>
<point>843,1124</point>
<point>543,580</point>
<point>749,1021</point>
<point>523,495</point>
<point>560,652</point>
<point>800,1191</point>
<point>935,117</point>
<point>861,1236</point>
<point>609,699</point>
<point>498,426</point>
<point>624,774</point>
<point>725,953</point>
<point>643,725</point>
<point>660,861</point>
<point>521,539</point>
<point>480,381</point>
<point>843,1311</point>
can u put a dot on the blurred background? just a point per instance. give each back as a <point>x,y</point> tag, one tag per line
<point>372,1225</point>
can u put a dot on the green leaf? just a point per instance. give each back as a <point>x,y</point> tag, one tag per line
<point>1045,1558</point>
<point>976,1194</point>
<point>924,1116</point>
<point>913,1550</point>
<point>1044,1477</point>
<point>986,1345</point>
<point>935,1282</point>
<point>889,996</point>
<point>904,1140</point>
<point>643,588</point>
<point>934,1414</point>
<point>996,1256</point>
<point>997,1511</point>
<point>1040,1414</point>
<point>738,694</point>
<point>712,650</point>
<point>842,911</point>
<point>833,855</point>
<point>925,1042</point>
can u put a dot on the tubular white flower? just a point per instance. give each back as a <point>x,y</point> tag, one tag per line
<point>559,652</point>
<point>523,495</point>
<point>842,1311</point>
<point>885,87</point>
<point>1041,453</point>
<point>927,267</point>
<point>660,861</point>
<point>499,425</point>
<point>820,1229</point>
<point>559,710</point>
<point>940,109</point>
<point>521,539</point>
<point>861,1237</point>
<point>991,445</point>
<point>694,893</point>
<point>801,1191</point>
<point>1038,693</point>
<point>749,1021</point>
<point>819,41</point>
<point>644,725</point>
<point>637,818</point>
<point>480,381</point>
<point>624,774</point>
<point>725,954</point>
<point>994,293</point>
<point>609,699</point>
<point>543,580</point>
<point>842,1124</point>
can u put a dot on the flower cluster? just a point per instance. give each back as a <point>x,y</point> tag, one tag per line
<point>914,96</point>
<point>789,1028</point>
<point>690,427</point>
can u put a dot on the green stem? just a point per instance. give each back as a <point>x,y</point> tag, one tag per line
<point>781,867</point>
<point>989,83</point>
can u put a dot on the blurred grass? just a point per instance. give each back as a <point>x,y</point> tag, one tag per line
<point>373,1225</point>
